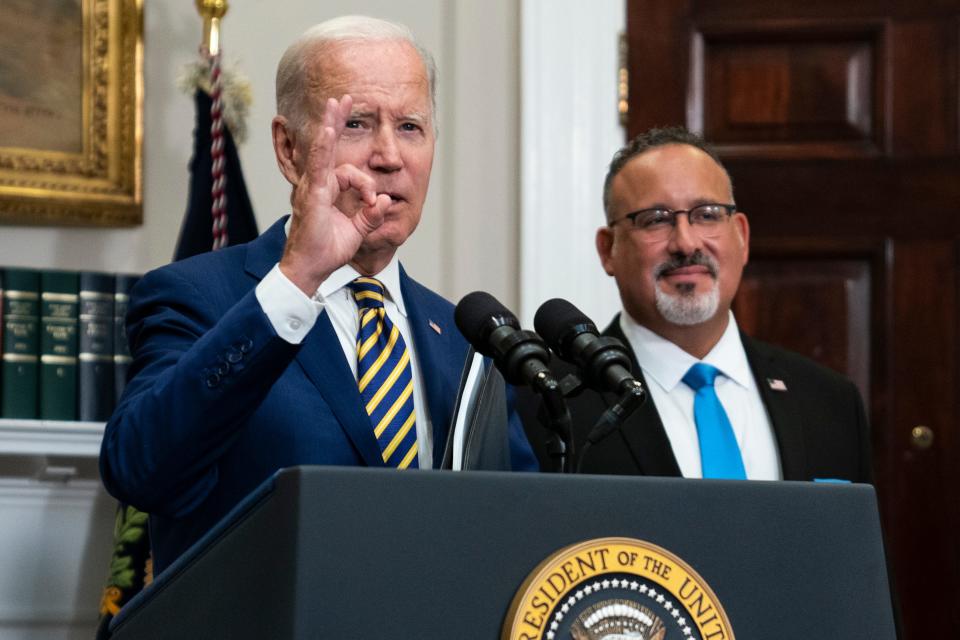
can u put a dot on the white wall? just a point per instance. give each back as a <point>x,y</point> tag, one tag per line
<point>471,211</point>
<point>570,133</point>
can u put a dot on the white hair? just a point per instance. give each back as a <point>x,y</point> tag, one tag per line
<point>291,72</point>
<point>688,308</point>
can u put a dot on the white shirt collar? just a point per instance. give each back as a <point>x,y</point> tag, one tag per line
<point>389,276</point>
<point>667,363</point>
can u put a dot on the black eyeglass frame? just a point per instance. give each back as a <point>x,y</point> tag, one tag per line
<point>632,216</point>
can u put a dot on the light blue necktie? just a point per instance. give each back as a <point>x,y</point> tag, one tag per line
<point>719,453</point>
<point>385,377</point>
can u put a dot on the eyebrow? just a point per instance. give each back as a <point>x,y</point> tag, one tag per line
<point>416,115</point>
<point>357,114</point>
<point>696,203</point>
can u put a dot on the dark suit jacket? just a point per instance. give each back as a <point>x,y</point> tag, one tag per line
<point>820,426</point>
<point>217,402</point>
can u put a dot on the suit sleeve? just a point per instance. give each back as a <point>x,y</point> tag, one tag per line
<point>197,374</point>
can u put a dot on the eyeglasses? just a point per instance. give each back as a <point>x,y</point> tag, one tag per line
<point>656,225</point>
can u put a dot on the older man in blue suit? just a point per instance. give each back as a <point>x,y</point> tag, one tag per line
<point>311,344</point>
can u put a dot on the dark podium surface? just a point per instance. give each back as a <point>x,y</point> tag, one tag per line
<point>321,552</point>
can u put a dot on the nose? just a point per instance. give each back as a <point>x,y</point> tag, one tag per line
<point>684,239</point>
<point>385,156</point>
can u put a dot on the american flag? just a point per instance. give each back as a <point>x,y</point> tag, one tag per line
<point>776,384</point>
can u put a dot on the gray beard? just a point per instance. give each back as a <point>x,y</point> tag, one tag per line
<point>687,308</point>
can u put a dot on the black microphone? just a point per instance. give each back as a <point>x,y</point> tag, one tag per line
<point>603,360</point>
<point>521,356</point>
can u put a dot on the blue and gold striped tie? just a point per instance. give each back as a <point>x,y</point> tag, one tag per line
<point>385,377</point>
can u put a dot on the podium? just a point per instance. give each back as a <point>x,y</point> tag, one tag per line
<point>325,552</point>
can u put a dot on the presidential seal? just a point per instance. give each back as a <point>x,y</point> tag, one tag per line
<point>615,589</point>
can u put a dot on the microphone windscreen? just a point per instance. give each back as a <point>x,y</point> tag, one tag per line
<point>557,318</point>
<point>478,314</point>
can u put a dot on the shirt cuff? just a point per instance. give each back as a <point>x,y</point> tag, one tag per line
<point>289,310</point>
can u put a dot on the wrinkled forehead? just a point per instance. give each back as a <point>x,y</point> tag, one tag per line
<point>358,67</point>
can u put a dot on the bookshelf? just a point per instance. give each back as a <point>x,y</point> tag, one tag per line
<point>50,438</point>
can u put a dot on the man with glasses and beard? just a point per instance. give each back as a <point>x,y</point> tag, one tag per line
<point>720,404</point>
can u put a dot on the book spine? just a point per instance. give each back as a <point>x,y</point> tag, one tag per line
<point>95,380</point>
<point>121,349</point>
<point>21,343</point>
<point>58,345</point>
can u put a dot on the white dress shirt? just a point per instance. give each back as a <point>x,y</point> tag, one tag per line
<point>293,314</point>
<point>664,364</point>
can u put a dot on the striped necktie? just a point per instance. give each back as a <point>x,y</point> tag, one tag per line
<point>719,452</point>
<point>385,377</point>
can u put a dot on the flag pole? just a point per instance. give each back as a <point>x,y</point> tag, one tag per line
<point>212,12</point>
<point>218,212</point>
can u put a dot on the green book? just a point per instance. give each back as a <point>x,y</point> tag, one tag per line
<point>21,343</point>
<point>95,380</point>
<point>59,305</point>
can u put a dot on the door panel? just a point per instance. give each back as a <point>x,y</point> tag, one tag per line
<point>789,88</point>
<point>839,123</point>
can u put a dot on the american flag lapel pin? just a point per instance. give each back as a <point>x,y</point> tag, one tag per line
<point>777,384</point>
<point>435,327</point>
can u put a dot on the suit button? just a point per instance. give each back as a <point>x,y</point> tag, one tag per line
<point>212,380</point>
<point>234,356</point>
<point>245,345</point>
<point>221,369</point>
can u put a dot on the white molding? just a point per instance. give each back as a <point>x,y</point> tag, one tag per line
<point>50,437</point>
<point>570,131</point>
<point>33,491</point>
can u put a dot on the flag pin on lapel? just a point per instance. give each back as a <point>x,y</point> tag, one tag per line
<point>776,384</point>
<point>435,327</point>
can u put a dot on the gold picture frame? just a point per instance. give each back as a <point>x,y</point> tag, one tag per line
<point>71,112</point>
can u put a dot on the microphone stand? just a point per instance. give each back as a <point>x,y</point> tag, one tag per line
<point>631,397</point>
<point>555,415</point>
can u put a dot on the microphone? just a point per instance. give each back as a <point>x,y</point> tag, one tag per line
<point>494,331</point>
<point>521,356</point>
<point>603,360</point>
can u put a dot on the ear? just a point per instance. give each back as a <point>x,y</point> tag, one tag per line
<point>285,148</point>
<point>742,226</point>
<point>604,241</point>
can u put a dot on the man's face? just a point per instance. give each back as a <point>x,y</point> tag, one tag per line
<point>684,279</point>
<point>390,134</point>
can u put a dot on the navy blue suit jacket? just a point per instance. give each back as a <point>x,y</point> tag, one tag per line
<point>217,402</point>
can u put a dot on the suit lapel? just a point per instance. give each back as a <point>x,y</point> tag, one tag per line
<point>643,431</point>
<point>320,355</point>
<point>775,383</point>
<point>322,359</point>
<point>439,371</point>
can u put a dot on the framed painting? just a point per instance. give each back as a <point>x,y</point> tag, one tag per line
<point>71,103</point>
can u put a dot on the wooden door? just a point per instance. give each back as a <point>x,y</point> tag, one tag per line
<point>839,123</point>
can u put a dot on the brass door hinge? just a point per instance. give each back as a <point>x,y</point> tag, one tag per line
<point>623,82</point>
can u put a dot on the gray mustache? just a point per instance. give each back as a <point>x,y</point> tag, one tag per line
<point>697,259</point>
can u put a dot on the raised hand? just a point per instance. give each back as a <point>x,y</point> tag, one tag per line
<point>326,229</point>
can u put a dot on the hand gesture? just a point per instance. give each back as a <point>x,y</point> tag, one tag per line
<point>324,235</point>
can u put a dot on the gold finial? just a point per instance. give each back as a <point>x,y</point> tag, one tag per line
<point>211,11</point>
